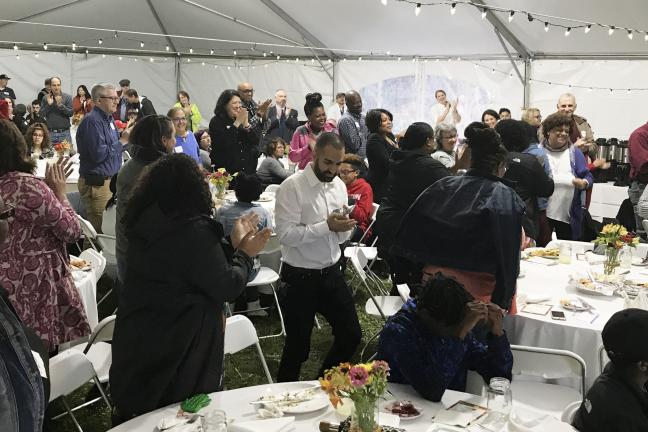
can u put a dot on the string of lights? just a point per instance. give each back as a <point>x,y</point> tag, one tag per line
<point>547,21</point>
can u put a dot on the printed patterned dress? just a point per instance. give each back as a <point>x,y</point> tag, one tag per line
<point>34,263</point>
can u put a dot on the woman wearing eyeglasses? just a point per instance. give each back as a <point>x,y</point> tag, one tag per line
<point>185,140</point>
<point>34,263</point>
<point>571,178</point>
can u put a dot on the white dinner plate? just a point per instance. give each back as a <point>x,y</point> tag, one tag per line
<point>317,399</point>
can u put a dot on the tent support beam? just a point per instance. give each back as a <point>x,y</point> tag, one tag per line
<point>506,33</point>
<point>161,25</point>
<point>527,84</point>
<point>510,57</point>
<point>305,34</point>
<point>43,12</point>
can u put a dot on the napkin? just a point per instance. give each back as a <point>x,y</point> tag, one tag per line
<point>178,424</point>
<point>593,258</point>
<point>283,424</point>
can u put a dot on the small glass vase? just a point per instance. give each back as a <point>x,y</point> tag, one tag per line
<point>220,190</point>
<point>611,261</point>
<point>364,417</point>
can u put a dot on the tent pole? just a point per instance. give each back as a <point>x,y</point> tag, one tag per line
<point>527,85</point>
<point>177,73</point>
<point>510,57</point>
<point>43,12</point>
<point>335,79</point>
<point>159,21</point>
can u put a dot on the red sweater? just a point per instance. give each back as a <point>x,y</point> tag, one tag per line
<point>361,191</point>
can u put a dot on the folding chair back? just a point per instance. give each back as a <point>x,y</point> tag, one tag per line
<point>570,411</point>
<point>103,332</point>
<point>97,261</point>
<point>273,188</point>
<point>69,370</point>
<point>240,334</point>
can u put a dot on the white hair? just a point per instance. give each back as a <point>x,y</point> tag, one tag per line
<point>98,89</point>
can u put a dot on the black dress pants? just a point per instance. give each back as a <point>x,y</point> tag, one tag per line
<point>308,292</point>
<point>563,229</point>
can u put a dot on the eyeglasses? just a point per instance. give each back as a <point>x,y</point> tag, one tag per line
<point>347,172</point>
<point>7,213</point>
<point>247,91</point>
<point>112,98</point>
<point>179,119</point>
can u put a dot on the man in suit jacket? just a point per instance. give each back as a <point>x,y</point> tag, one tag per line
<point>143,104</point>
<point>281,121</point>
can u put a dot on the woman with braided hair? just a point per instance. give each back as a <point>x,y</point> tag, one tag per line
<point>469,226</point>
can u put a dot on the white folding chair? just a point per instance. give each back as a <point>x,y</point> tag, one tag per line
<point>603,359</point>
<point>359,261</point>
<point>97,349</point>
<point>273,188</point>
<point>70,370</point>
<point>108,241</point>
<point>570,411</point>
<point>403,291</point>
<point>534,370</point>
<point>240,334</point>
<point>88,232</point>
<point>268,277</point>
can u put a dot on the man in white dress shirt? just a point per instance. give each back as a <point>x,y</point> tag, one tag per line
<point>444,111</point>
<point>311,223</point>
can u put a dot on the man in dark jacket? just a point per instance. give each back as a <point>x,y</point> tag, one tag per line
<point>281,122</point>
<point>617,402</point>
<point>528,177</point>
<point>141,103</point>
<point>412,170</point>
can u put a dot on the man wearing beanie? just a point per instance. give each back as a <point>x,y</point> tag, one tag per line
<point>618,402</point>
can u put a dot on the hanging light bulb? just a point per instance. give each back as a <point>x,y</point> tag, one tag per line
<point>646,37</point>
<point>384,2</point>
<point>265,54</point>
<point>630,35</point>
<point>141,44</point>
<point>215,66</point>
<point>330,61</point>
<point>15,47</point>
<point>297,60</point>
<point>45,46</point>
<point>399,59</point>
<point>151,60</point>
<point>453,8</point>
<point>103,55</point>
<point>87,51</point>
<point>234,51</point>
<point>590,89</point>
<point>190,50</point>
<point>312,60</point>
<point>483,14</point>
<point>511,14</point>
<point>135,59</point>
<point>100,41</point>
<point>611,31</point>
<point>188,60</point>
<point>120,58</point>
<point>167,48</point>
<point>278,57</point>
<point>211,52</point>
<point>17,56</point>
<point>417,10</point>
<point>73,46</point>
<point>359,58</point>
<point>546,27</point>
<point>116,35</point>
<point>567,31</point>
<point>629,91</point>
<point>588,28</point>
<point>36,55</point>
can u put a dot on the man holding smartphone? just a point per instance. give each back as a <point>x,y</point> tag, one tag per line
<point>311,224</point>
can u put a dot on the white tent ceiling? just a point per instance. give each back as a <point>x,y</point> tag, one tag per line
<point>359,26</point>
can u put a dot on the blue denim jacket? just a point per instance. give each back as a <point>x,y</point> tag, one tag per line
<point>22,398</point>
<point>541,154</point>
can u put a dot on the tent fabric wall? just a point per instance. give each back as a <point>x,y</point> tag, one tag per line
<point>407,88</point>
<point>205,83</point>
<point>614,114</point>
<point>155,80</point>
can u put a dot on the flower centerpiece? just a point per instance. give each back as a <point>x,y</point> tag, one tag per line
<point>614,238</point>
<point>62,148</point>
<point>364,384</point>
<point>220,180</point>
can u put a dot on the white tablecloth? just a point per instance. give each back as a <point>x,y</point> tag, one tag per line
<point>236,404</point>
<point>86,283</point>
<point>577,334</point>
<point>606,200</point>
<point>42,163</point>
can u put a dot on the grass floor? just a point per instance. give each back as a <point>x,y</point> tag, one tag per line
<point>241,369</point>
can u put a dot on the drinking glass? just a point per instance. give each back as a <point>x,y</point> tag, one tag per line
<point>215,421</point>
<point>499,401</point>
<point>625,257</point>
<point>564,256</point>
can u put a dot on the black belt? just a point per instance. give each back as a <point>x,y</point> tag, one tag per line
<point>312,272</point>
<point>94,175</point>
<point>59,130</point>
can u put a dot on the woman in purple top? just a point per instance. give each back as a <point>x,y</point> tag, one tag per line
<point>185,140</point>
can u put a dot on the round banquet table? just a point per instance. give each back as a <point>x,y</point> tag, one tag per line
<point>581,331</point>
<point>236,405</point>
